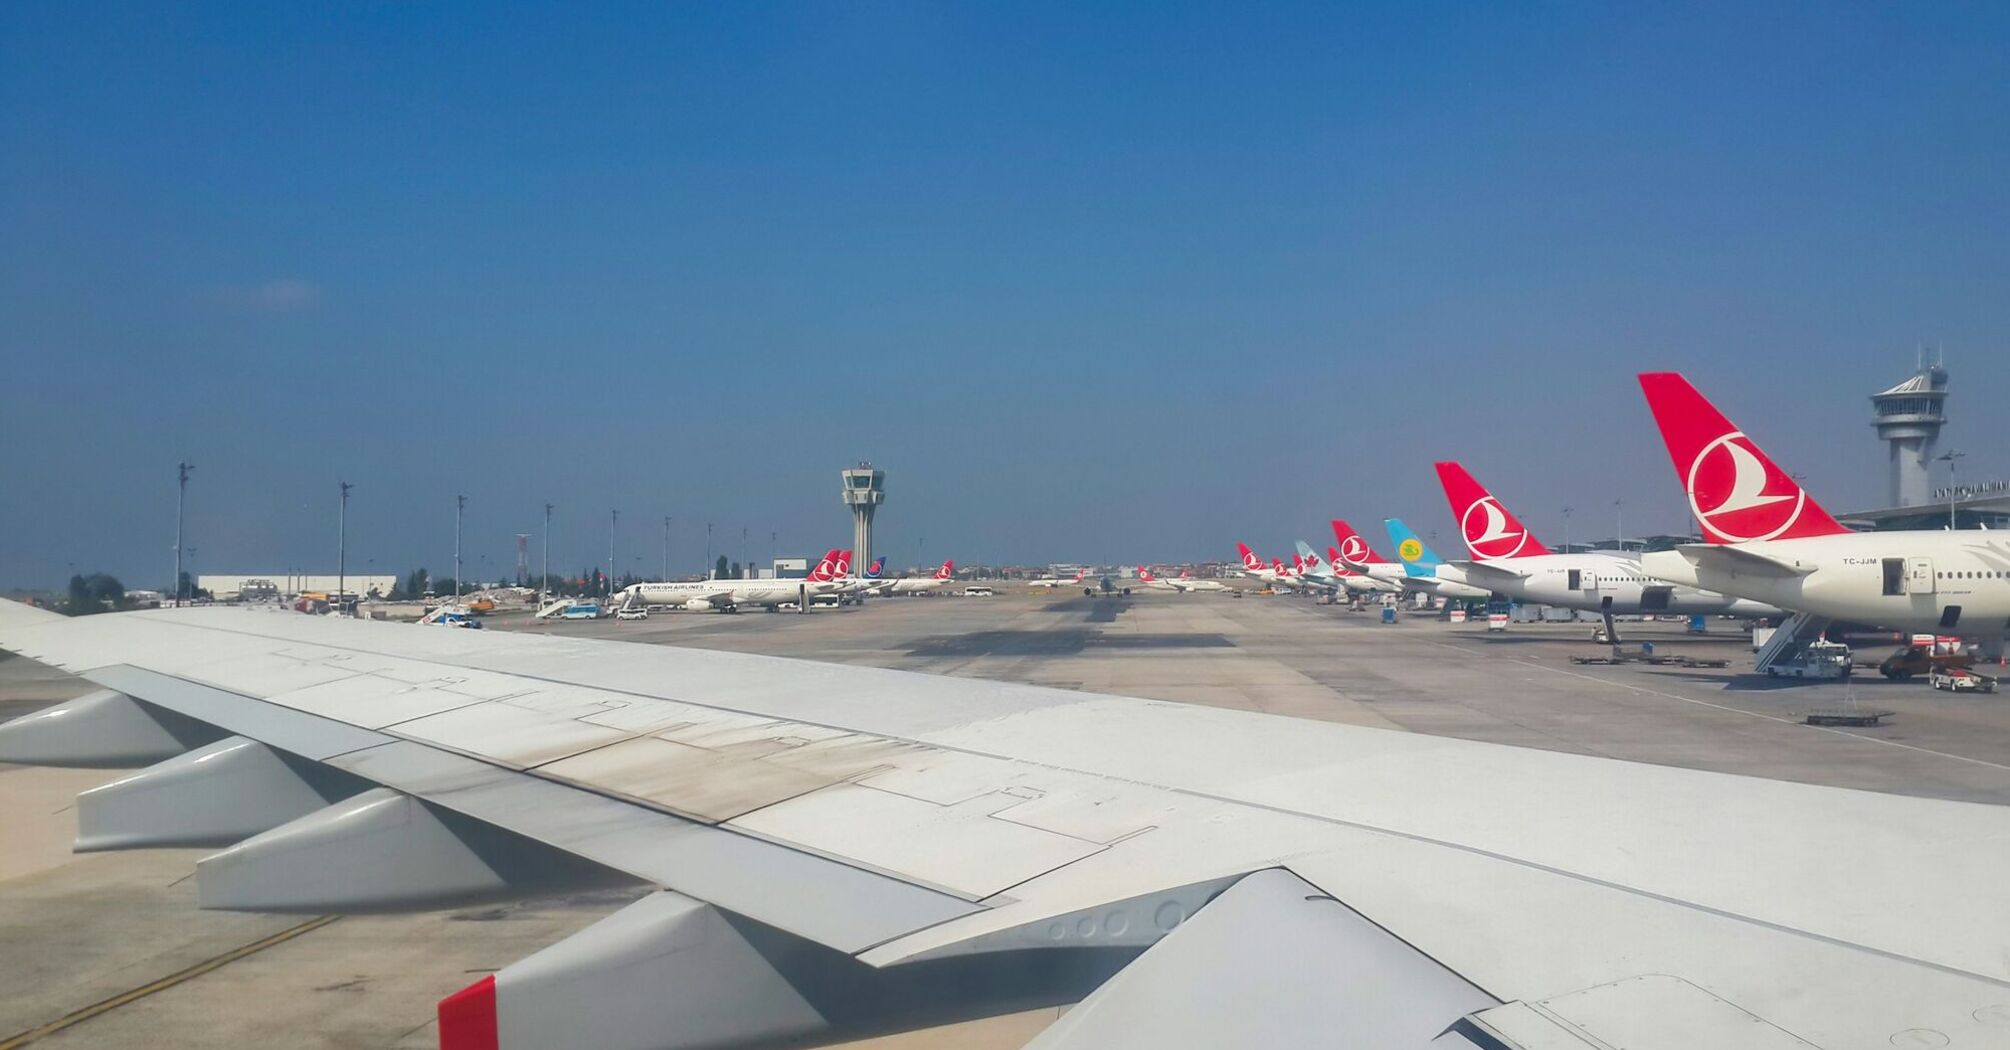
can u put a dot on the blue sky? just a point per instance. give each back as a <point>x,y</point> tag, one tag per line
<point>1090,281</point>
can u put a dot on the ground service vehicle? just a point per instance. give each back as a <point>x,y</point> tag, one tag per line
<point>1921,659</point>
<point>1960,680</point>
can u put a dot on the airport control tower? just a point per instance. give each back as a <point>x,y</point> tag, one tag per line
<point>1910,416</point>
<point>864,491</point>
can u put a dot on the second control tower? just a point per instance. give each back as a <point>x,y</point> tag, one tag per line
<point>1909,416</point>
<point>864,491</point>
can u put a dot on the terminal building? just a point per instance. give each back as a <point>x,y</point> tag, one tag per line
<point>252,587</point>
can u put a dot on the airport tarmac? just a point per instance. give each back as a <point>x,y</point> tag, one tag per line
<point>114,943</point>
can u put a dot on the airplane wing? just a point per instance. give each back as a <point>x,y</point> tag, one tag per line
<point>848,849</point>
<point>1733,559</point>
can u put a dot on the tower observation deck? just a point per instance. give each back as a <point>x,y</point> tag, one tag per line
<point>864,491</point>
<point>1909,416</point>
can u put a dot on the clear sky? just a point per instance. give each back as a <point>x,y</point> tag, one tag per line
<point>1099,281</point>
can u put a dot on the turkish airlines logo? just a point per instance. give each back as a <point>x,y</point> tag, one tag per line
<point>1249,560</point>
<point>823,570</point>
<point>843,565</point>
<point>1749,499</point>
<point>1488,535</point>
<point>1354,549</point>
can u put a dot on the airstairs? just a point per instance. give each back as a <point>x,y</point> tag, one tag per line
<point>1790,639</point>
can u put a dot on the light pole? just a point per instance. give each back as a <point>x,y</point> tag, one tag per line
<point>460,504</point>
<point>1619,522</point>
<point>1566,530</point>
<point>342,545</point>
<point>708,550</point>
<point>1949,456</point>
<point>613,517</point>
<point>746,571</point>
<point>544,580</point>
<point>181,498</point>
<point>666,548</point>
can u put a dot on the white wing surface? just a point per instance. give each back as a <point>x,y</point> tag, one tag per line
<point>850,849</point>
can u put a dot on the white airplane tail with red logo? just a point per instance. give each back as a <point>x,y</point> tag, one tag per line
<point>1736,492</point>
<point>1250,561</point>
<point>1491,531</point>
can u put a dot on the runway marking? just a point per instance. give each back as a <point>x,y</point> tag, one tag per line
<point>1724,707</point>
<point>104,1006</point>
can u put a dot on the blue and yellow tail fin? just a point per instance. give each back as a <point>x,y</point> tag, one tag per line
<point>1417,556</point>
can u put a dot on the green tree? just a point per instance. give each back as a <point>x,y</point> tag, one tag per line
<point>94,594</point>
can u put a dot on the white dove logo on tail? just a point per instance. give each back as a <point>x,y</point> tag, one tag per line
<point>1489,536</point>
<point>1746,510</point>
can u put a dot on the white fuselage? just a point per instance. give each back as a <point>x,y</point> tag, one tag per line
<point>1605,583</point>
<point>1385,577</point>
<point>914,585</point>
<point>1189,585</point>
<point>1946,582</point>
<point>720,593</point>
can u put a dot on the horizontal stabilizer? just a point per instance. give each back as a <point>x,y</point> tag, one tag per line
<point>213,796</point>
<point>101,730</point>
<point>380,851</point>
<point>1480,572</point>
<point>1738,561</point>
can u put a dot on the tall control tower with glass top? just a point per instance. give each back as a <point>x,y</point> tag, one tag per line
<point>1909,416</point>
<point>864,491</point>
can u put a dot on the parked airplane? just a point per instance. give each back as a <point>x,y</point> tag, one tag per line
<point>1768,540</point>
<point>840,852</point>
<point>1359,557</point>
<point>1424,571</point>
<point>1332,573</point>
<point>1186,584</point>
<point>729,595</point>
<point>1056,581</point>
<point>1510,560</point>
<point>943,577</point>
<point>1272,575</point>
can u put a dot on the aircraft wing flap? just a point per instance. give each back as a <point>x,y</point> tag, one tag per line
<point>832,903</point>
<point>308,735</point>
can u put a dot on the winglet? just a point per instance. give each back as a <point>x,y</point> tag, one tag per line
<point>468,1017</point>
<point>1736,492</point>
<point>1490,530</point>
